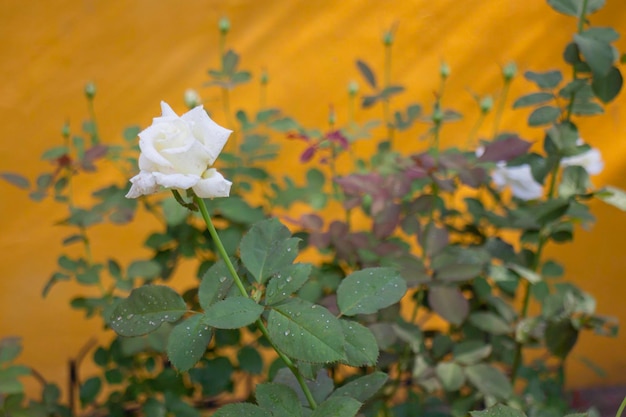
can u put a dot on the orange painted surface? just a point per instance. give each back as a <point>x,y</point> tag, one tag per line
<point>140,52</point>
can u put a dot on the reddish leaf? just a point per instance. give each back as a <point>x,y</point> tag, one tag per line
<point>505,149</point>
<point>308,154</point>
<point>337,137</point>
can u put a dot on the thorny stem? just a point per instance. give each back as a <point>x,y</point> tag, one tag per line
<point>229,265</point>
<point>517,359</point>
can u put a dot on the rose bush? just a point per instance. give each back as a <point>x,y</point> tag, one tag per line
<point>177,152</point>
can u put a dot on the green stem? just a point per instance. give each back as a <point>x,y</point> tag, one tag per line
<point>517,358</point>
<point>581,26</point>
<point>229,265</point>
<point>500,109</point>
<point>92,114</point>
<point>386,107</point>
<point>621,408</point>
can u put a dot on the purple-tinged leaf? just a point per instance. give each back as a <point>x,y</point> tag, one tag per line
<point>338,137</point>
<point>473,177</point>
<point>308,154</point>
<point>386,221</point>
<point>505,149</point>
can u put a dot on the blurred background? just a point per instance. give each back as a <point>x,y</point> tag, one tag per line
<point>139,52</point>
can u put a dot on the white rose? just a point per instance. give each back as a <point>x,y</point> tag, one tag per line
<point>177,152</point>
<point>591,160</point>
<point>519,178</point>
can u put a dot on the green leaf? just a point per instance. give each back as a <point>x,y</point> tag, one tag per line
<point>608,87</point>
<point>174,212</point>
<point>574,181</point>
<point>306,331</point>
<point>16,179</point>
<point>215,284</point>
<point>605,34</point>
<point>9,383</point>
<point>285,282</point>
<point>250,360</point>
<point>362,388</point>
<point>552,269</point>
<point>187,342</point>
<point>130,133</point>
<point>499,410</point>
<point>369,290</point>
<point>367,73</point>
<point>586,108</point>
<point>561,337</point>
<point>451,375</point>
<point>144,269</point>
<point>458,272</point>
<point>232,313</point>
<point>285,124</point>
<point>153,408</point>
<point>145,309</point>
<point>337,407</point>
<point>10,348</point>
<point>613,196</point>
<point>545,80</point>
<point>597,53</point>
<point>89,390</point>
<point>489,380</point>
<point>320,387</point>
<point>237,210</point>
<point>544,115</point>
<point>471,351</point>
<point>54,153</point>
<point>278,399</point>
<point>574,7</point>
<point>268,247</point>
<point>361,347</point>
<point>449,303</point>
<point>525,273</point>
<point>533,99</point>
<point>489,322</point>
<point>242,410</point>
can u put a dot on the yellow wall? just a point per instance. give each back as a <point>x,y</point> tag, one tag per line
<point>140,51</point>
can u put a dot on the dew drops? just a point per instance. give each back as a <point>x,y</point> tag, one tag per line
<point>289,279</point>
<point>130,316</point>
<point>222,279</point>
<point>287,332</point>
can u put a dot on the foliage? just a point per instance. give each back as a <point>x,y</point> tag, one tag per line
<point>426,235</point>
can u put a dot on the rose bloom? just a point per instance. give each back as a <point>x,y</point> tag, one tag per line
<point>519,178</point>
<point>591,160</point>
<point>177,152</point>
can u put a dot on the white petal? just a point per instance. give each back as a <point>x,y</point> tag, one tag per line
<point>520,179</point>
<point>211,135</point>
<point>213,184</point>
<point>530,190</point>
<point>144,183</point>
<point>180,181</point>
<point>166,110</point>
